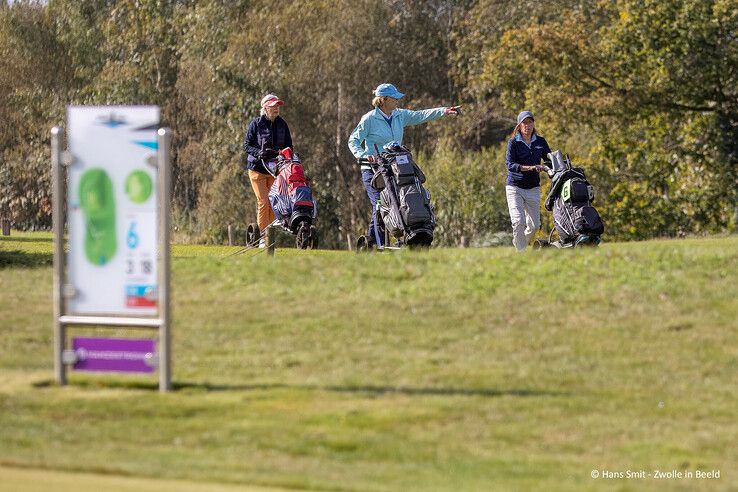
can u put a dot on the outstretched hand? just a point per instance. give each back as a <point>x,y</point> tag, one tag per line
<point>452,110</point>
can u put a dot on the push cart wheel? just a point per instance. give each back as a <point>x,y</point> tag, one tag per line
<point>313,238</point>
<point>362,245</point>
<point>589,241</point>
<point>302,239</point>
<point>540,244</point>
<point>253,234</point>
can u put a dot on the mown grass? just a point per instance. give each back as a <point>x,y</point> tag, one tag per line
<point>475,369</point>
<point>14,479</point>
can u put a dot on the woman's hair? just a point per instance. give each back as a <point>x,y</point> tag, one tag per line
<point>379,101</point>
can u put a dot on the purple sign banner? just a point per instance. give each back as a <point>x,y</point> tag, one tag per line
<point>114,354</point>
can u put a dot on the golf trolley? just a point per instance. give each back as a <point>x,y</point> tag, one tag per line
<point>291,200</point>
<point>381,239</point>
<point>576,222</point>
<point>403,215</point>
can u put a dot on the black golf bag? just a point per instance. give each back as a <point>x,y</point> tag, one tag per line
<point>405,206</point>
<point>570,198</point>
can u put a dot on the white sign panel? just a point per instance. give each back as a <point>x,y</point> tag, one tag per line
<point>112,210</point>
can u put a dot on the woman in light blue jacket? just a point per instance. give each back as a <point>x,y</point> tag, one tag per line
<point>384,124</point>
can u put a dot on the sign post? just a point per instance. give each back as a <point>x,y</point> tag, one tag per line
<point>116,271</point>
<point>57,226</point>
<point>164,137</point>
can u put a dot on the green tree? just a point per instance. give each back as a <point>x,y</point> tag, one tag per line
<point>139,49</point>
<point>654,85</point>
<point>34,74</point>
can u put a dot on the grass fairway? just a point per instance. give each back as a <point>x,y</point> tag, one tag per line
<point>448,370</point>
<point>14,479</point>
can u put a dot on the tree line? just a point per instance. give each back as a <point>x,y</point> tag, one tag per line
<point>642,93</point>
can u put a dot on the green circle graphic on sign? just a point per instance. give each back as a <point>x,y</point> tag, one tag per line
<point>138,186</point>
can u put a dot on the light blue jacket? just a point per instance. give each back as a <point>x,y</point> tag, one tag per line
<point>373,128</point>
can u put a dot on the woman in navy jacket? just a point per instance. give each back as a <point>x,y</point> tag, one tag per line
<point>525,151</point>
<point>266,136</point>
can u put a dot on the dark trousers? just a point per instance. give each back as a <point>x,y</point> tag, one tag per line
<point>366,178</point>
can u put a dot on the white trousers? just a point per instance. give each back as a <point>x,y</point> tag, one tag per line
<point>525,214</point>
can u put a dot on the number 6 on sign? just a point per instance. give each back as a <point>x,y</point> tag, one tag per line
<point>132,236</point>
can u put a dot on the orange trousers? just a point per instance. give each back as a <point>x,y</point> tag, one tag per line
<point>262,183</point>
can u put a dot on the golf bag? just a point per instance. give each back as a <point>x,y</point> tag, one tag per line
<point>404,204</point>
<point>570,198</point>
<point>290,196</point>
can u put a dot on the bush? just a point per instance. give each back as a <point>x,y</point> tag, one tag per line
<point>227,199</point>
<point>25,185</point>
<point>468,193</point>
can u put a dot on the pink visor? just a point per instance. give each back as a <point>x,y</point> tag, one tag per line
<point>270,103</point>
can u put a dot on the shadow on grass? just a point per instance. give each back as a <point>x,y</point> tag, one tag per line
<point>187,387</point>
<point>15,239</point>
<point>402,390</point>
<point>373,390</point>
<point>23,259</point>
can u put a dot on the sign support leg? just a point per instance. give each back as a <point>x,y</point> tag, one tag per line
<point>57,217</point>
<point>164,138</point>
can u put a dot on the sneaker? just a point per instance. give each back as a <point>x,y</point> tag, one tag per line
<point>262,243</point>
